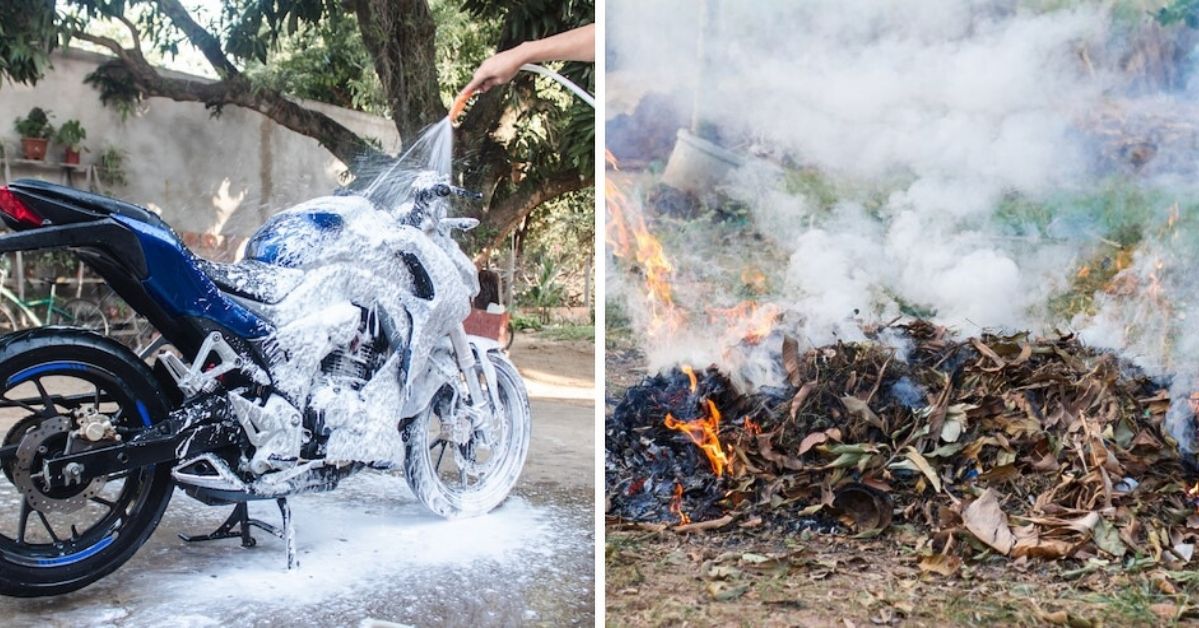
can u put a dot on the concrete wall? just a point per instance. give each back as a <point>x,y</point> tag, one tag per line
<point>215,179</point>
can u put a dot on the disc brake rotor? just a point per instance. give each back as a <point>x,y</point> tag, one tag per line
<point>489,438</point>
<point>49,438</point>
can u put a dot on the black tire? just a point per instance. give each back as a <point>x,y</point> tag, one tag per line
<point>25,569</point>
<point>425,472</point>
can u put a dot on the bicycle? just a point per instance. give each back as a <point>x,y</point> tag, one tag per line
<point>126,325</point>
<point>75,312</point>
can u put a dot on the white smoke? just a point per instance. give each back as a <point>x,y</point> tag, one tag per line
<point>929,117</point>
<point>964,102</point>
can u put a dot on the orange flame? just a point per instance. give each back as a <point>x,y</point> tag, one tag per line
<point>630,238</point>
<point>1155,285</point>
<point>676,505</point>
<point>752,427</point>
<point>704,432</point>
<point>754,279</point>
<point>747,321</point>
<point>686,368</point>
<point>1123,259</point>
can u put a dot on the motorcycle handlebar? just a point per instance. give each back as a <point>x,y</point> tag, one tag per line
<point>423,196</point>
<point>442,189</point>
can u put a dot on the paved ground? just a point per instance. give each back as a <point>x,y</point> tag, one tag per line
<point>371,554</point>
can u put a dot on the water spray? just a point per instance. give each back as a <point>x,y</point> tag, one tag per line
<point>460,102</point>
<point>432,149</point>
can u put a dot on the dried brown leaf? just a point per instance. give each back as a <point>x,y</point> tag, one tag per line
<point>861,409</point>
<point>924,467</point>
<point>942,564</point>
<point>985,519</point>
<point>1038,547</point>
<point>800,397</point>
<point>791,359</point>
<point>811,440</point>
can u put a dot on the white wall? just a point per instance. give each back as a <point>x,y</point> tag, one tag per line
<point>205,175</point>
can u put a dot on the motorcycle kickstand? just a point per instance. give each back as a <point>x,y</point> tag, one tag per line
<point>239,523</point>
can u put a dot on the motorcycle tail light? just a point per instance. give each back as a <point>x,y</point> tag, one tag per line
<point>14,208</point>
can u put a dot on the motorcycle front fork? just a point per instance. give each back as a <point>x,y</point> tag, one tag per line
<point>471,368</point>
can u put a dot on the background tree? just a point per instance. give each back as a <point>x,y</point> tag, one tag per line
<point>523,145</point>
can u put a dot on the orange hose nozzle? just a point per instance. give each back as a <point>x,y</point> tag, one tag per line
<point>459,106</point>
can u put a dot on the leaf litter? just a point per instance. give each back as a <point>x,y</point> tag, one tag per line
<point>999,445</point>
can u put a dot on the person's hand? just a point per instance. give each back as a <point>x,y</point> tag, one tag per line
<point>573,45</point>
<point>497,70</point>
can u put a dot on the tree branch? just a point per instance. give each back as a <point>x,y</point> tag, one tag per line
<point>505,215</point>
<point>133,32</point>
<point>209,45</point>
<point>336,138</point>
<point>233,89</point>
<point>105,42</point>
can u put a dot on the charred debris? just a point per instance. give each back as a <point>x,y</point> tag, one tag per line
<point>1021,446</point>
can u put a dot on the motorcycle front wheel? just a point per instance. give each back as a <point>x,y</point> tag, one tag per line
<point>457,475</point>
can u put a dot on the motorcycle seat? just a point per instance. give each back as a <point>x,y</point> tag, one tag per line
<point>253,280</point>
<point>63,205</point>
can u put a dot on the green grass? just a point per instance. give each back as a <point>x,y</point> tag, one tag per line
<point>1130,604</point>
<point>526,323</point>
<point>972,611</point>
<point>568,332</point>
<point>1118,210</point>
<point>813,185</point>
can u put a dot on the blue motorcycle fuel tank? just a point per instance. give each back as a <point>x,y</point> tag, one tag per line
<point>294,239</point>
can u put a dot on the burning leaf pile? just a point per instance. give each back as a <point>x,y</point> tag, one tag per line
<point>1041,448</point>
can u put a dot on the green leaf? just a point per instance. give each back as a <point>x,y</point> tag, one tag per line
<point>847,460</point>
<point>919,463</point>
<point>945,451</point>
<point>1107,538</point>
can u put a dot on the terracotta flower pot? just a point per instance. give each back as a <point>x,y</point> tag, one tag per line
<point>72,157</point>
<point>34,147</point>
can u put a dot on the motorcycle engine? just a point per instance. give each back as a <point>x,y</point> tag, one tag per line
<point>344,371</point>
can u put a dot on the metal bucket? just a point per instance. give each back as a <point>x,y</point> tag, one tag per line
<point>697,165</point>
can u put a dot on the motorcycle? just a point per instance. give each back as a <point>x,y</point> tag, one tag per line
<point>335,345</point>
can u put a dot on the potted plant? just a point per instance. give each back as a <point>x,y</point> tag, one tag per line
<point>71,134</point>
<point>110,167</point>
<point>35,131</point>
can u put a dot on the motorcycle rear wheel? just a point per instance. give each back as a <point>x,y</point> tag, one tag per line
<point>52,548</point>
<point>475,476</point>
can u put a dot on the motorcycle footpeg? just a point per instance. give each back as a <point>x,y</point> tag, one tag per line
<point>207,471</point>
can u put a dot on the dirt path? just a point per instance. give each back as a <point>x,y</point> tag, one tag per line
<point>370,551</point>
